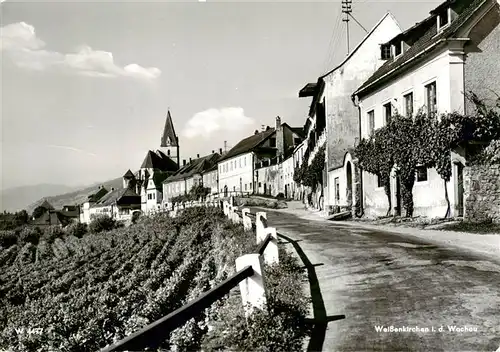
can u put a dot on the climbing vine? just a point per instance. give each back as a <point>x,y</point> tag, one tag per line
<point>407,142</point>
<point>311,175</point>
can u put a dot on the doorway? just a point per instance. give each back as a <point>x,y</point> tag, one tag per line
<point>349,184</point>
<point>286,191</point>
<point>459,188</point>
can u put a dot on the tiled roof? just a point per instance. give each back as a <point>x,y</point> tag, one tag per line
<point>248,144</point>
<point>158,178</point>
<point>155,161</point>
<point>169,133</point>
<point>196,166</point>
<point>429,38</point>
<point>114,196</point>
<point>51,217</point>
<point>94,197</point>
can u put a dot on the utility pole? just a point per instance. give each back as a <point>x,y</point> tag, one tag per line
<point>346,9</point>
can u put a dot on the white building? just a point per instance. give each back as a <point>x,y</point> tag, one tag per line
<point>237,168</point>
<point>455,50</point>
<point>334,120</point>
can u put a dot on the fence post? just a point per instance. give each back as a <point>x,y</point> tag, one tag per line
<point>253,289</point>
<point>237,218</point>
<point>271,255</point>
<point>225,206</point>
<point>231,200</point>
<point>259,226</point>
<point>247,222</point>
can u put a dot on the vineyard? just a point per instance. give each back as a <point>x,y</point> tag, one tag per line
<point>81,294</point>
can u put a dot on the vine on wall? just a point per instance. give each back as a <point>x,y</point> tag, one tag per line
<point>406,142</point>
<point>311,175</point>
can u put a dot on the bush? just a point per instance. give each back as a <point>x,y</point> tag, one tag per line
<point>76,229</point>
<point>102,223</point>
<point>281,326</point>
<point>30,235</point>
<point>280,196</point>
<point>8,238</point>
<point>51,233</point>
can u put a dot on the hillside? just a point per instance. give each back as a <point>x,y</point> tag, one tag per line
<point>75,196</point>
<point>18,198</point>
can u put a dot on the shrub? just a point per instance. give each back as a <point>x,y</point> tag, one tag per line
<point>30,235</point>
<point>281,326</point>
<point>76,229</point>
<point>102,223</point>
<point>280,196</point>
<point>50,233</point>
<point>7,238</point>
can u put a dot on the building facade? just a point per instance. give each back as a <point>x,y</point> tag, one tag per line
<point>428,68</point>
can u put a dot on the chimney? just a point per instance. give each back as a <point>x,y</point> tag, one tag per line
<point>220,151</point>
<point>213,151</point>
<point>268,128</point>
<point>278,122</point>
<point>197,156</point>
<point>256,132</point>
<point>184,162</point>
<point>190,160</point>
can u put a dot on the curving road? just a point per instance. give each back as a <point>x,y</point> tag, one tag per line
<point>379,279</point>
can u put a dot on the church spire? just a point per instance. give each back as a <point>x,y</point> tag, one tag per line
<point>169,138</point>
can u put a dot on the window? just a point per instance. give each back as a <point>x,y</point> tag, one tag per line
<point>421,173</point>
<point>408,100</point>
<point>296,141</point>
<point>443,19</point>
<point>379,181</point>
<point>240,162</point>
<point>371,121</point>
<point>272,142</point>
<point>244,161</point>
<point>337,190</point>
<point>245,186</point>
<point>387,112</point>
<point>397,49</point>
<point>231,166</point>
<point>385,51</point>
<point>153,196</point>
<point>430,92</point>
<point>168,152</point>
<point>260,184</point>
<point>250,186</point>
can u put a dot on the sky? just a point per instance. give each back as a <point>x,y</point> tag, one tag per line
<point>86,85</point>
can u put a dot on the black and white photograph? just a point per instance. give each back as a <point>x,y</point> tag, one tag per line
<point>250,175</point>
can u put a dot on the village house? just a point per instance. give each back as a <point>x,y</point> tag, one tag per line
<point>297,158</point>
<point>119,204</point>
<point>189,175</point>
<point>211,178</point>
<point>430,66</point>
<point>237,169</point>
<point>333,119</point>
<point>53,217</point>
<point>91,200</point>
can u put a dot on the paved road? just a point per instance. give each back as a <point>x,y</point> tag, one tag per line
<point>377,278</point>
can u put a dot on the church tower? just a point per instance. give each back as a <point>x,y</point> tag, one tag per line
<point>169,140</point>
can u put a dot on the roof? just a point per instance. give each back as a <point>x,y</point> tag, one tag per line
<point>308,90</point>
<point>128,174</point>
<point>46,205</point>
<point>159,161</point>
<point>51,218</point>
<point>299,131</point>
<point>169,138</point>
<point>248,144</point>
<point>425,41</point>
<point>114,196</point>
<point>94,197</point>
<point>196,166</point>
<point>388,14</point>
<point>158,178</point>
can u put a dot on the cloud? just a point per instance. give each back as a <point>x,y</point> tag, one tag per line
<point>205,123</point>
<point>72,149</point>
<point>20,42</point>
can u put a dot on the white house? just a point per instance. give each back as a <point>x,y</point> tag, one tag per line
<point>454,50</point>
<point>334,120</point>
<point>118,204</point>
<point>189,175</point>
<point>237,168</point>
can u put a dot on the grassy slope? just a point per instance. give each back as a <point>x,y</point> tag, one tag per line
<point>75,197</point>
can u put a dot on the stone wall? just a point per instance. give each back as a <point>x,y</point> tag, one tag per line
<point>482,193</point>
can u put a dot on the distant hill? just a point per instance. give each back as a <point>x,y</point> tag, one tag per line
<point>76,196</point>
<point>18,198</point>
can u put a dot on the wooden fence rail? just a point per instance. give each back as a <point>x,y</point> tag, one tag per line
<point>249,276</point>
